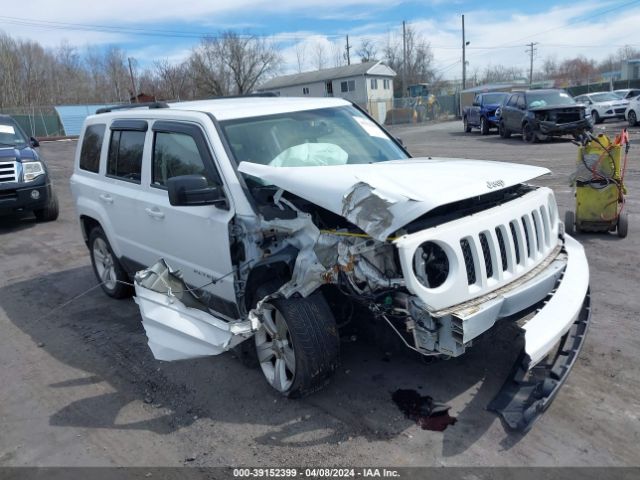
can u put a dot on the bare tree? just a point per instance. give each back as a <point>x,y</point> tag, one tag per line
<point>419,59</point>
<point>500,73</point>
<point>367,51</point>
<point>339,56</point>
<point>320,55</point>
<point>233,64</point>
<point>301,52</point>
<point>171,79</point>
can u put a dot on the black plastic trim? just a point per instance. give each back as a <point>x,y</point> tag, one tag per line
<point>129,106</point>
<point>135,125</point>
<point>520,401</point>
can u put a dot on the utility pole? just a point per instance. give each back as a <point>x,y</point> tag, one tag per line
<point>133,82</point>
<point>404,58</point>
<point>531,50</point>
<point>347,48</point>
<point>464,58</point>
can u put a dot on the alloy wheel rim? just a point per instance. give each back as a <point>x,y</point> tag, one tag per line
<point>105,266</point>
<point>275,350</point>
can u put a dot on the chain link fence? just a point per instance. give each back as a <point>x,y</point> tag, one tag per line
<point>36,121</point>
<point>407,110</point>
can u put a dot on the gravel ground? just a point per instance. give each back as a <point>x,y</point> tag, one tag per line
<point>80,387</point>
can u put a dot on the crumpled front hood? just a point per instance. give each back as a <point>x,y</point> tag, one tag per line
<point>382,197</point>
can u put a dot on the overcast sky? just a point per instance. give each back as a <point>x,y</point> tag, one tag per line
<point>498,30</point>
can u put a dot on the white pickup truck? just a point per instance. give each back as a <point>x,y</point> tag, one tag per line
<point>236,218</point>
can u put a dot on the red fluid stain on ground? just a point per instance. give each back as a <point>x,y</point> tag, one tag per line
<point>422,410</point>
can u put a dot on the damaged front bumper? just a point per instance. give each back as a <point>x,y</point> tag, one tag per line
<point>551,128</point>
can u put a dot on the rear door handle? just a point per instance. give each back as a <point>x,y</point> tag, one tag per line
<point>154,213</point>
<point>106,198</point>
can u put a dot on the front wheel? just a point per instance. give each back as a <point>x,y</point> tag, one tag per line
<point>502,130</point>
<point>484,126</point>
<point>50,212</point>
<point>528,134</point>
<point>298,344</point>
<point>632,118</point>
<point>596,118</point>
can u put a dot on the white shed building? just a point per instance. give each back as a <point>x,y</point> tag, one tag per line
<point>369,84</point>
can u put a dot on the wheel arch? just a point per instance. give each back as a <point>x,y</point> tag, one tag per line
<point>278,266</point>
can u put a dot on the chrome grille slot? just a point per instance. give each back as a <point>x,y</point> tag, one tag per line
<point>527,238</point>
<point>486,253</point>
<point>516,243</point>
<point>536,228</point>
<point>468,261</point>
<point>8,172</point>
<point>503,248</point>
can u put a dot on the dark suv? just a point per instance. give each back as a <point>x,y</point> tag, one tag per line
<point>541,114</point>
<point>25,185</point>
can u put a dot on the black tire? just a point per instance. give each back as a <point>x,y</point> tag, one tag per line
<point>50,212</point>
<point>313,334</point>
<point>503,131</point>
<point>467,127</point>
<point>528,134</point>
<point>596,118</point>
<point>570,222</point>
<point>632,118</point>
<point>623,225</point>
<point>484,126</point>
<point>115,288</point>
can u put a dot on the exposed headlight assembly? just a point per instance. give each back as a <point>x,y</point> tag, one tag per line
<point>32,170</point>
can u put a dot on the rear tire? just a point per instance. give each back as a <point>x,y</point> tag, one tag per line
<point>570,222</point>
<point>298,344</point>
<point>106,266</point>
<point>623,225</point>
<point>467,127</point>
<point>50,212</point>
<point>632,118</point>
<point>484,126</point>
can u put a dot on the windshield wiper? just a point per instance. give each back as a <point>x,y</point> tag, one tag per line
<point>8,144</point>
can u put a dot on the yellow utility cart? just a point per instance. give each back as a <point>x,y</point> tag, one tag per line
<point>599,186</point>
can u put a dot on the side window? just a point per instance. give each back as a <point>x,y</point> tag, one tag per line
<point>91,147</point>
<point>176,154</point>
<point>125,155</point>
<point>512,100</point>
<point>343,86</point>
<point>521,102</point>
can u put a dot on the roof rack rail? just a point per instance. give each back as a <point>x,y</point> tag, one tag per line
<point>245,95</point>
<point>133,105</point>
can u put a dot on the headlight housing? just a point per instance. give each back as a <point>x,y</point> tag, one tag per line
<point>431,264</point>
<point>32,170</point>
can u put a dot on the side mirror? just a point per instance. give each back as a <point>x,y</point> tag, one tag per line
<point>34,142</point>
<point>193,190</point>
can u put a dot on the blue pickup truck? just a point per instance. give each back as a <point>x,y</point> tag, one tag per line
<point>482,113</point>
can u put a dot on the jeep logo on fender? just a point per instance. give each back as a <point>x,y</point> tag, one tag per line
<point>494,184</point>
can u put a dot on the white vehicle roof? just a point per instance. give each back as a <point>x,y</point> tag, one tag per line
<point>239,107</point>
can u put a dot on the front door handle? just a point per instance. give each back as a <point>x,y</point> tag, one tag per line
<point>106,198</point>
<point>154,213</point>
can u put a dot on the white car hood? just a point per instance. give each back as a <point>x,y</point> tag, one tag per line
<point>382,197</point>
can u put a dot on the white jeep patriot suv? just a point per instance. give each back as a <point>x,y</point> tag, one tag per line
<point>239,217</point>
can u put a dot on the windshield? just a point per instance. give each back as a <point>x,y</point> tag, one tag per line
<point>10,134</point>
<point>328,136</point>
<point>604,97</point>
<point>549,99</point>
<point>493,98</point>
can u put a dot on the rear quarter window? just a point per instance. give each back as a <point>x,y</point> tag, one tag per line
<point>91,147</point>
